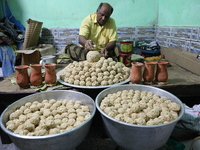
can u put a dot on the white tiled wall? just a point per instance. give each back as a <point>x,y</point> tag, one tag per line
<point>185,38</point>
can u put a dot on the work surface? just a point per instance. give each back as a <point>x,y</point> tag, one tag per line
<point>181,83</point>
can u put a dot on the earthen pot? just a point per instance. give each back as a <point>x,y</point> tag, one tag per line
<point>36,74</point>
<point>136,72</point>
<point>50,73</point>
<point>22,77</point>
<point>149,71</point>
<point>161,71</point>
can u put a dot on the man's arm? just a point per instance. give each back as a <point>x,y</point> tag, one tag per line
<point>87,44</point>
<point>82,40</point>
<point>109,47</point>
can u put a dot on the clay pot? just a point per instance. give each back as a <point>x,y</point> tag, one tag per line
<point>22,77</point>
<point>36,74</point>
<point>50,73</point>
<point>149,71</point>
<point>136,72</point>
<point>161,71</point>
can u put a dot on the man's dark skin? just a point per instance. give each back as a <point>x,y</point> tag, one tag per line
<point>103,14</point>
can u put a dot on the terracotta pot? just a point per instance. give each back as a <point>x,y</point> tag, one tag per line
<point>136,72</point>
<point>161,71</point>
<point>149,71</point>
<point>22,77</point>
<point>36,74</point>
<point>50,73</point>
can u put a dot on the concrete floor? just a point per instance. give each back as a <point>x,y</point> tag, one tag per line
<point>12,146</point>
<point>7,146</point>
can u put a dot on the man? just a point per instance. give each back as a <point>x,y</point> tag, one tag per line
<point>97,32</point>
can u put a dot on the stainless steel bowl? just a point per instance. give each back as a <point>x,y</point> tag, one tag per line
<point>63,141</point>
<point>88,87</point>
<point>138,137</point>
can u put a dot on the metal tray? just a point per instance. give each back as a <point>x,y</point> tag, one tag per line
<point>89,87</point>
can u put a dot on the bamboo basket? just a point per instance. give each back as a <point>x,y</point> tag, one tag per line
<point>33,29</point>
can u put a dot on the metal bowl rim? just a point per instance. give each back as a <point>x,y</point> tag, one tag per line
<point>89,87</point>
<point>134,125</point>
<point>45,136</point>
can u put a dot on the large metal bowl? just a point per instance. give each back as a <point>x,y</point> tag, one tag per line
<point>68,140</point>
<point>138,137</point>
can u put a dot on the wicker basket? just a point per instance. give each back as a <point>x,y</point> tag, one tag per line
<point>33,29</point>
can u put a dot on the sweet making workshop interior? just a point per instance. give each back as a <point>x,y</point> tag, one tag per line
<point>93,75</point>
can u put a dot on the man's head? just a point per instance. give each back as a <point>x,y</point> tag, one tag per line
<point>104,12</point>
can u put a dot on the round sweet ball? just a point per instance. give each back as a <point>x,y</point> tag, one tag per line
<point>93,56</point>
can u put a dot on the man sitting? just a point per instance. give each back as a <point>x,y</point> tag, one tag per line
<point>97,32</point>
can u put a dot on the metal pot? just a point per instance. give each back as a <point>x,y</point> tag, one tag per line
<point>68,140</point>
<point>138,137</point>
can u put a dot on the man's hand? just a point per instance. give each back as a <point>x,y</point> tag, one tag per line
<point>104,52</point>
<point>89,45</point>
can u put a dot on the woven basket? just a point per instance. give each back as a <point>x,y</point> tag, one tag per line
<point>33,29</point>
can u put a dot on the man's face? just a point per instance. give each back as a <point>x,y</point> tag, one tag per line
<point>103,15</point>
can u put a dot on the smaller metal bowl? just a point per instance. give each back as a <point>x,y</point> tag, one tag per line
<point>138,137</point>
<point>68,140</point>
<point>89,87</point>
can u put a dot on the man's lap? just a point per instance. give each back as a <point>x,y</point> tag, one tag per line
<point>78,53</point>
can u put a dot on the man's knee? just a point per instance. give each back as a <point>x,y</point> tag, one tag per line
<point>75,52</point>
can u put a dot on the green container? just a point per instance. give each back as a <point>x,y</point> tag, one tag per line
<point>126,46</point>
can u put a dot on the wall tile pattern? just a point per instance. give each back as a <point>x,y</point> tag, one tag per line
<point>185,38</point>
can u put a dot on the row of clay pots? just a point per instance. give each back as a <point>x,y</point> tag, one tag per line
<point>157,70</point>
<point>35,78</point>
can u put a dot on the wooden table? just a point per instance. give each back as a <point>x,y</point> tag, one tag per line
<point>181,83</point>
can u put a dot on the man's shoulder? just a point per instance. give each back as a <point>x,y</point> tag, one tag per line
<point>111,22</point>
<point>91,17</point>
